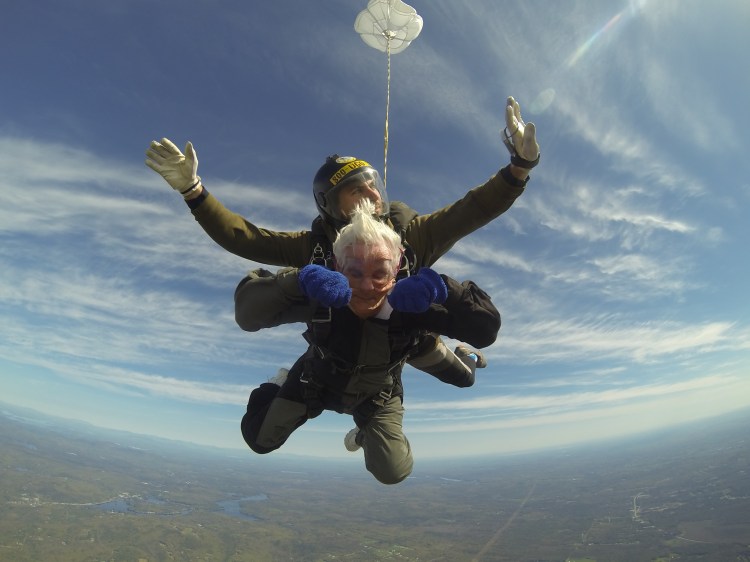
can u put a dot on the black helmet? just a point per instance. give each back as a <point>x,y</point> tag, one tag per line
<point>333,175</point>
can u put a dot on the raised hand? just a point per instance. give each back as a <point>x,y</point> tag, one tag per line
<point>178,169</point>
<point>520,137</point>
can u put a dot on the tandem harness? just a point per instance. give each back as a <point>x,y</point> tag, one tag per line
<point>324,372</point>
<point>322,369</point>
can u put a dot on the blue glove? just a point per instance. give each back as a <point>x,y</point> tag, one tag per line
<point>418,292</point>
<point>329,288</point>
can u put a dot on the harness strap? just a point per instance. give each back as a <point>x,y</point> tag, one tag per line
<point>312,394</point>
<point>364,412</point>
<point>322,255</point>
<point>320,324</point>
<point>408,264</point>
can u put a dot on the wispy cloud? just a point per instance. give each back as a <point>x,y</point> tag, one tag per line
<point>570,401</point>
<point>609,337</point>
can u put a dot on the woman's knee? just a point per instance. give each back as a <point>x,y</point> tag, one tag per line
<point>392,474</point>
<point>390,462</point>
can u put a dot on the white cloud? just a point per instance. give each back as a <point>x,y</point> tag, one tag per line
<point>608,337</point>
<point>555,402</point>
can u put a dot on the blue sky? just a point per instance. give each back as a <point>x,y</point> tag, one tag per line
<point>621,273</point>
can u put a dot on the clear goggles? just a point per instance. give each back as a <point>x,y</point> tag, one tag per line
<point>344,197</point>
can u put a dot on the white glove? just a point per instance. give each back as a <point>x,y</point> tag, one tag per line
<point>180,170</point>
<point>520,137</point>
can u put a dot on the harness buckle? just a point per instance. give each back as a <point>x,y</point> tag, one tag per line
<point>318,256</point>
<point>321,314</point>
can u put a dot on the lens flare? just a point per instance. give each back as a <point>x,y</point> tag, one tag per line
<point>580,51</point>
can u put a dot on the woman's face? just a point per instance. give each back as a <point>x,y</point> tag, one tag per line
<point>371,273</point>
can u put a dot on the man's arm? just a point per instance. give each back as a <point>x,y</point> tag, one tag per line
<point>264,300</point>
<point>431,236</point>
<point>467,315</point>
<point>239,236</point>
<point>228,229</point>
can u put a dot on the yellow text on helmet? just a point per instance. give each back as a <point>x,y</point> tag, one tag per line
<point>336,178</point>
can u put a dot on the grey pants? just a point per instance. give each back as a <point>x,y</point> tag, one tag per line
<point>274,414</point>
<point>387,451</point>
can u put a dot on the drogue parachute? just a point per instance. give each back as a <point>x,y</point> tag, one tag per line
<point>389,26</point>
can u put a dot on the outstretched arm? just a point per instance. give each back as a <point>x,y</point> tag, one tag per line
<point>432,235</point>
<point>228,229</point>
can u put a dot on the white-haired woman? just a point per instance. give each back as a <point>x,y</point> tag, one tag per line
<point>361,300</point>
